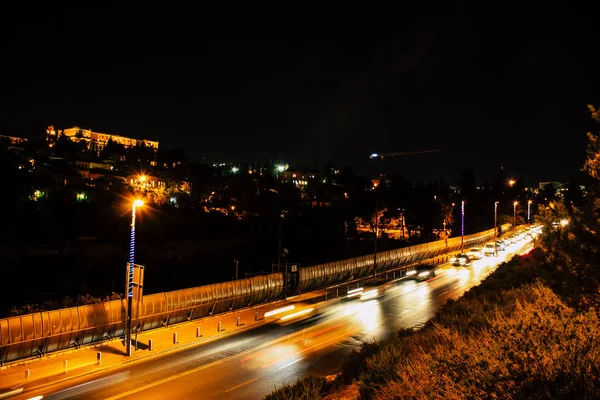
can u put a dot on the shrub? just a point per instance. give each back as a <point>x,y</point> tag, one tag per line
<point>356,362</point>
<point>309,388</point>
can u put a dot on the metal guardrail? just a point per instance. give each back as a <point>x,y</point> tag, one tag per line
<point>39,333</point>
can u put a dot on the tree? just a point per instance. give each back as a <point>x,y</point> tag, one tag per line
<point>592,162</point>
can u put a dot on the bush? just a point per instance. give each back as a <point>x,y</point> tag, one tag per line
<point>309,388</point>
<point>356,362</point>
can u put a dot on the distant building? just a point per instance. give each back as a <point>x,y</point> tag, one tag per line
<point>14,140</point>
<point>299,179</point>
<point>93,170</point>
<point>555,185</point>
<point>97,141</point>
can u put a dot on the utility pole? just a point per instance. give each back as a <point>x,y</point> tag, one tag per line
<point>462,215</point>
<point>375,241</point>
<point>495,225</point>
<point>236,268</point>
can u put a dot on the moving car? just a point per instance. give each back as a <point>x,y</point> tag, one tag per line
<point>461,260</point>
<point>475,253</point>
<point>369,289</point>
<point>490,250</point>
<point>422,272</point>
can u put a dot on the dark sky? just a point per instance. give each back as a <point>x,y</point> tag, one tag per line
<point>490,90</point>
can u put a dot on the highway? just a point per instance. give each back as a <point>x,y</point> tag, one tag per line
<point>250,364</point>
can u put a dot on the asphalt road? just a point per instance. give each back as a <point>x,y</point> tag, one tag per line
<point>252,363</point>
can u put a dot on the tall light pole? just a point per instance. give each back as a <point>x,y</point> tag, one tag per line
<point>515,213</point>
<point>462,223</point>
<point>375,241</point>
<point>529,212</point>
<point>136,204</point>
<point>495,224</point>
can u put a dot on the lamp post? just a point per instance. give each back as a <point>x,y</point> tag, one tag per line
<point>495,224</point>
<point>515,213</point>
<point>462,223</point>
<point>529,212</point>
<point>136,204</point>
<point>375,241</point>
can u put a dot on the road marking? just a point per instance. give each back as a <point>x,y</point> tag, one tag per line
<point>405,311</point>
<point>290,363</point>
<point>456,287</point>
<point>11,393</point>
<point>425,301</point>
<point>240,385</point>
<point>444,292</point>
<point>473,280</point>
<point>170,378</point>
<point>191,371</point>
<point>313,346</point>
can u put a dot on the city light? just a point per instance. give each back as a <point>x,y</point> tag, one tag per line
<point>511,182</point>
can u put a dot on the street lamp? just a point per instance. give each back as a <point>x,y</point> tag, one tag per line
<point>495,223</point>
<point>375,241</point>
<point>529,211</point>
<point>462,216</point>
<point>136,204</point>
<point>515,213</point>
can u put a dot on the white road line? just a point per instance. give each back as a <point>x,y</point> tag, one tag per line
<point>240,385</point>
<point>290,363</point>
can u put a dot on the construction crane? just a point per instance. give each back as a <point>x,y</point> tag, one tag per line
<point>407,153</point>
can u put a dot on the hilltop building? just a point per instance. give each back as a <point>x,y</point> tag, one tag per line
<point>96,140</point>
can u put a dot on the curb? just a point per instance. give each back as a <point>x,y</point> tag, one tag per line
<point>108,342</point>
<point>129,361</point>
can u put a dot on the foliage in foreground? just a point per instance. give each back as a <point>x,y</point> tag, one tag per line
<point>309,388</point>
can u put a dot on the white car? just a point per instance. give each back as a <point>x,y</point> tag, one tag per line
<point>475,253</point>
<point>490,250</point>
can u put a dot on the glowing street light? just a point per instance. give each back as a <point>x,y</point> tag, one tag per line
<point>564,222</point>
<point>529,211</point>
<point>134,206</point>
<point>511,182</point>
<point>515,213</point>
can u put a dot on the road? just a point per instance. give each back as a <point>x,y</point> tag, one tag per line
<point>252,363</point>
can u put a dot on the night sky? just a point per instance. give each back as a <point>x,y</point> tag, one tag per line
<point>490,92</point>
